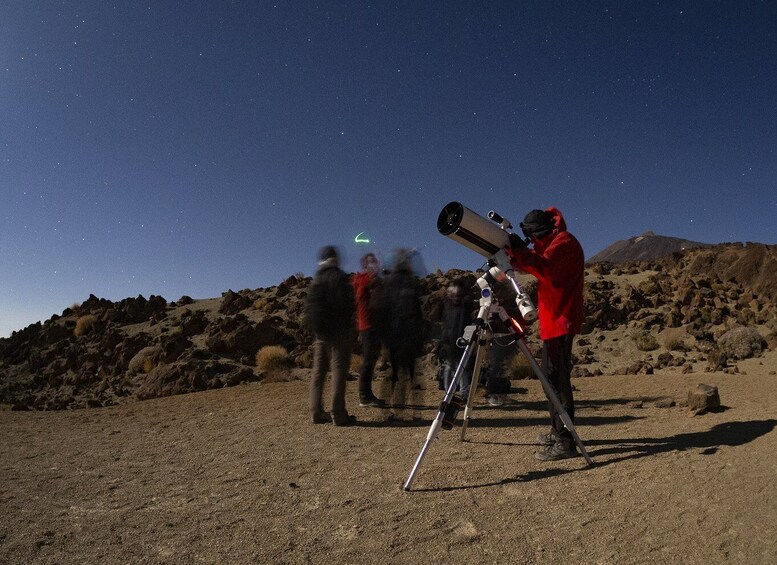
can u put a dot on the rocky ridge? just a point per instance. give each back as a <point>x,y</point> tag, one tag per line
<point>703,309</point>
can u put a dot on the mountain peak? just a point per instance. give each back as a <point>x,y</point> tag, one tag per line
<point>645,247</point>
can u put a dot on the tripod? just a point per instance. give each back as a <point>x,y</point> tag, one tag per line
<point>477,338</point>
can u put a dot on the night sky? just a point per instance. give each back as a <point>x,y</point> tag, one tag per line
<point>175,148</point>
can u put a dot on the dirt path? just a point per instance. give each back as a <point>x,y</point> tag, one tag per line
<point>239,475</point>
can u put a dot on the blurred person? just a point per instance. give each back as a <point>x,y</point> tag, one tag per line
<point>329,313</point>
<point>404,322</point>
<point>500,352</point>
<point>456,316</point>
<point>557,261</point>
<point>367,286</point>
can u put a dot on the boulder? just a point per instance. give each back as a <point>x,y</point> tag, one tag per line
<point>233,302</point>
<point>703,398</point>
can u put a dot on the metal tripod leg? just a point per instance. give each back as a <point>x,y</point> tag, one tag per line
<point>554,399</point>
<point>437,423</point>
<point>473,385</point>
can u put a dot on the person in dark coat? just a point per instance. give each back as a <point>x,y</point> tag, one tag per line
<point>457,315</point>
<point>558,263</point>
<point>404,325</point>
<point>329,313</point>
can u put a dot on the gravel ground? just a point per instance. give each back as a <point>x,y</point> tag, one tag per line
<point>240,475</point>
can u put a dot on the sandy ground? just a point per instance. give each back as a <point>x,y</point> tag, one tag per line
<point>240,475</point>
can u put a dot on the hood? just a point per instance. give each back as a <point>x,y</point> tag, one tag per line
<point>558,218</point>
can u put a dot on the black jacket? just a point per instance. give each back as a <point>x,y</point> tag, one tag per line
<point>456,317</point>
<point>402,299</point>
<point>330,306</point>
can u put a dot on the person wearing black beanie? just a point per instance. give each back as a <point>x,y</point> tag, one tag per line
<point>556,259</point>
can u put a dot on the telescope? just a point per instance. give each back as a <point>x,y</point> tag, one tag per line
<point>488,237</point>
<point>472,230</point>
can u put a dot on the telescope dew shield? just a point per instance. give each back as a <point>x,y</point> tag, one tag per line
<point>471,230</point>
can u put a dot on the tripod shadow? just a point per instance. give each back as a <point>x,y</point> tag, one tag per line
<point>392,422</point>
<point>729,434</point>
<point>480,421</point>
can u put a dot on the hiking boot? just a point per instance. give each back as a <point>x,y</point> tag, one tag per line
<point>495,400</point>
<point>347,420</point>
<point>321,419</point>
<point>546,439</point>
<point>372,402</point>
<point>556,452</point>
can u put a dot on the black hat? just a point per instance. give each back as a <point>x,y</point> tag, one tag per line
<point>327,252</point>
<point>537,224</point>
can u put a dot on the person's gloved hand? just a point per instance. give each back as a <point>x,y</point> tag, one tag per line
<point>516,241</point>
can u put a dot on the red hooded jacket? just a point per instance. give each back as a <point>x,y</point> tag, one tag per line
<point>363,286</point>
<point>558,263</point>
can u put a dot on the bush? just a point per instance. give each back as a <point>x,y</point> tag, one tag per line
<point>674,339</point>
<point>145,360</point>
<point>675,344</point>
<point>645,340</point>
<point>273,359</point>
<point>741,343</point>
<point>148,365</point>
<point>649,287</point>
<point>85,324</point>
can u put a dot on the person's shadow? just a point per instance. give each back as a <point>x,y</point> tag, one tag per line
<point>729,434</point>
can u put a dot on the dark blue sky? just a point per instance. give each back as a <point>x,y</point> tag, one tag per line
<point>177,148</point>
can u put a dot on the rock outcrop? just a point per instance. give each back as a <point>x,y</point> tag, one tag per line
<point>713,305</point>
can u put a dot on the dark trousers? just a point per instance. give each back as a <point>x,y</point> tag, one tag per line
<point>497,382</point>
<point>333,353</point>
<point>402,361</point>
<point>370,353</point>
<point>557,364</point>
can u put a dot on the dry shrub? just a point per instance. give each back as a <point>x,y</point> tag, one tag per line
<point>518,367</point>
<point>741,343</point>
<point>674,339</point>
<point>676,344</point>
<point>645,340</point>
<point>649,287</point>
<point>85,324</point>
<point>273,359</point>
<point>356,363</point>
<point>148,365</point>
<point>260,304</point>
<point>145,359</point>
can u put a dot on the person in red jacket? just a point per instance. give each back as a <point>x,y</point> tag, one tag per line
<point>558,263</point>
<point>367,287</point>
